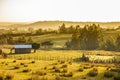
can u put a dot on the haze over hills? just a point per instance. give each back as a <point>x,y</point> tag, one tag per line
<point>53,24</point>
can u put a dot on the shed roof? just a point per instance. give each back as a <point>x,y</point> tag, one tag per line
<point>23,46</point>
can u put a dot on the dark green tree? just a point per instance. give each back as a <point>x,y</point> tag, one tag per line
<point>88,37</point>
<point>47,44</point>
<point>118,43</point>
<point>30,40</point>
<point>10,40</point>
<point>35,46</point>
<point>75,41</point>
<point>110,45</point>
<point>68,44</point>
<point>21,39</point>
<point>62,29</point>
<point>70,29</point>
<point>39,31</point>
<point>30,30</point>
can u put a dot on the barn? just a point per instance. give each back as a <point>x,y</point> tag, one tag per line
<point>22,48</point>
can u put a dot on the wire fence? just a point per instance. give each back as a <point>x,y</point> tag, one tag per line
<point>24,57</point>
<point>96,59</point>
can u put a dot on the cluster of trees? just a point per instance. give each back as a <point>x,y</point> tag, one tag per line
<point>111,44</point>
<point>24,40</point>
<point>10,36</point>
<point>91,37</point>
<point>67,30</point>
<point>45,44</point>
<point>63,29</point>
<point>10,40</point>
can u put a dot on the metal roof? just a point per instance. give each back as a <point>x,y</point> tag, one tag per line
<point>23,46</point>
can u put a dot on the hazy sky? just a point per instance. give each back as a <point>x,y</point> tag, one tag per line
<point>68,10</point>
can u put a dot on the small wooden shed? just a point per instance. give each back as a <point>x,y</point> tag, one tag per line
<point>22,48</point>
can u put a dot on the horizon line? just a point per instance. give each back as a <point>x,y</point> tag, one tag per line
<point>54,20</point>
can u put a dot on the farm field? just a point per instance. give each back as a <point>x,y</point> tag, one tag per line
<point>60,65</point>
<point>58,39</point>
<point>51,64</point>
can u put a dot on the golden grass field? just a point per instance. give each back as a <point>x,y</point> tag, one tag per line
<point>57,65</point>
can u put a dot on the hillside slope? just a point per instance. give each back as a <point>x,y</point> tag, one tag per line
<point>56,24</point>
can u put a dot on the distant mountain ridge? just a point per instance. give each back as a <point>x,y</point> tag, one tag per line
<point>55,24</point>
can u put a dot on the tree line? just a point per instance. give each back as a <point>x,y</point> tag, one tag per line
<point>9,36</point>
<point>91,37</point>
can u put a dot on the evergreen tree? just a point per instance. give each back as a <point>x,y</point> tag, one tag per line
<point>86,38</point>
<point>118,43</point>
<point>62,28</point>
<point>75,41</point>
<point>30,40</point>
<point>110,45</point>
<point>31,30</point>
<point>10,40</point>
<point>70,29</point>
<point>39,31</point>
<point>22,39</point>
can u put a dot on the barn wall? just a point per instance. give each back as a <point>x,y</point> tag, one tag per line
<point>22,50</point>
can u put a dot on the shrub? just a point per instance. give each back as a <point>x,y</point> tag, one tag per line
<point>41,73</point>
<point>14,61</point>
<point>93,72</point>
<point>62,62</point>
<point>115,69</point>
<point>53,67</point>
<point>26,70</point>
<point>70,63</point>
<point>64,66</point>
<point>32,61</point>
<point>6,63</point>
<point>86,67</point>
<point>108,68</point>
<point>70,74</point>
<point>65,70</point>
<point>25,65</point>
<point>57,69</point>
<point>8,77</point>
<point>1,77</point>
<point>2,62</point>
<point>45,68</point>
<point>54,63</point>
<point>16,67</point>
<point>21,63</point>
<point>92,65</point>
<point>83,77</point>
<point>108,74</point>
<point>60,78</point>
<point>80,69</point>
<point>95,69</point>
<point>58,61</point>
<point>117,77</point>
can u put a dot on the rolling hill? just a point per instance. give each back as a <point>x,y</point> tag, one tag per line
<point>54,24</point>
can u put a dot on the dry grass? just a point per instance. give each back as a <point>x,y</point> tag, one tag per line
<point>57,66</point>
